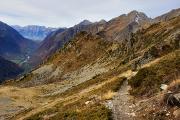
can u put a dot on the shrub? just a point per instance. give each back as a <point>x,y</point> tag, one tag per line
<point>144,82</point>
<point>148,80</point>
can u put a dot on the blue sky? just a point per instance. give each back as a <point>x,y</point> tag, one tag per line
<point>66,13</point>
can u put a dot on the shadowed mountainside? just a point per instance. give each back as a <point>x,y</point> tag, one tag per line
<point>13,46</point>
<point>8,70</point>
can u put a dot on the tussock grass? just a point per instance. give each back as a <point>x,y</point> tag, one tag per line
<point>109,95</point>
<point>78,110</point>
<point>148,80</point>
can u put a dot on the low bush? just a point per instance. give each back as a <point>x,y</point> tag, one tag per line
<point>145,82</point>
<point>148,80</point>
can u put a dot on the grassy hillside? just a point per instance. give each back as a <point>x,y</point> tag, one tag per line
<point>87,79</point>
<point>148,80</point>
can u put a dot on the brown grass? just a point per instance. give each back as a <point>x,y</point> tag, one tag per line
<point>109,95</point>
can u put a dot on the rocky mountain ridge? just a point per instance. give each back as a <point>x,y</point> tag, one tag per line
<point>117,29</point>
<point>127,23</point>
<point>57,39</point>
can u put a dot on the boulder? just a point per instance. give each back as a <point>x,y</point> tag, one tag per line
<point>172,99</point>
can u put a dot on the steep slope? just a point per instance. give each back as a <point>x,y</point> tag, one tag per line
<point>83,51</point>
<point>116,29</point>
<point>163,71</point>
<point>168,16</point>
<point>159,43</point>
<point>81,60</point>
<point>12,45</point>
<point>8,70</point>
<point>157,40</point>
<point>120,28</point>
<point>88,76</point>
<point>34,32</point>
<point>144,46</point>
<point>148,84</point>
<point>57,39</point>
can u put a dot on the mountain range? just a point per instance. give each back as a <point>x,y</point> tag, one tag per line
<point>117,29</point>
<point>127,68</point>
<point>34,32</point>
<point>89,46</point>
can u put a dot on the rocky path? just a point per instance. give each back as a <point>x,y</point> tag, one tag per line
<point>123,105</point>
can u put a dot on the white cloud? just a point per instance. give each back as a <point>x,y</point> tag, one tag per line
<point>66,13</point>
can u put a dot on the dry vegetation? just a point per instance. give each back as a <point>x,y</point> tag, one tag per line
<point>89,101</point>
<point>77,81</point>
<point>148,80</point>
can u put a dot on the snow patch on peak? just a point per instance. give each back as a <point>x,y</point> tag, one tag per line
<point>137,18</point>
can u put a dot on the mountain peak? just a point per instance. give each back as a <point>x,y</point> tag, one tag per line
<point>85,22</point>
<point>134,12</point>
<point>138,16</point>
<point>134,15</point>
<point>102,21</point>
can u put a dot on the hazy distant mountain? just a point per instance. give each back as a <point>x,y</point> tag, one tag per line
<point>34,32</point>
<point>13,46</point>
<point>8,69</point>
